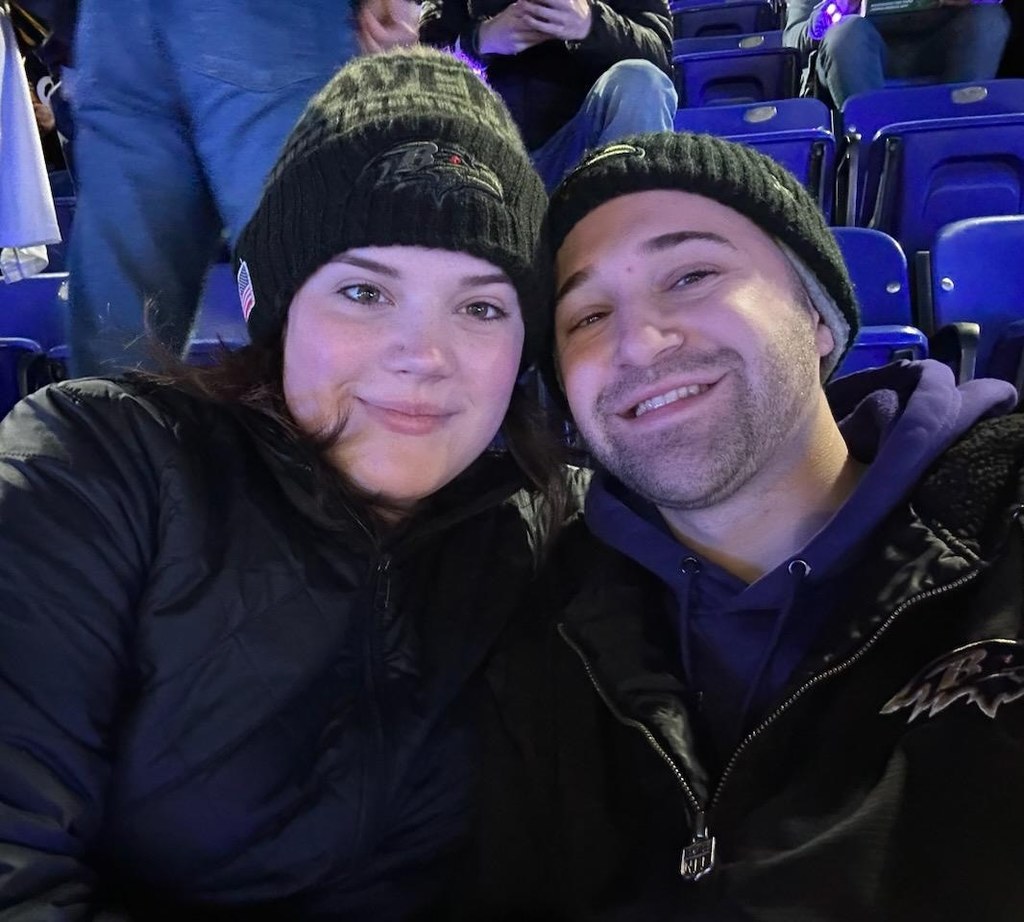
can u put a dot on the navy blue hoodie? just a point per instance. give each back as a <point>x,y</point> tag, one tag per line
<point>740,643</point>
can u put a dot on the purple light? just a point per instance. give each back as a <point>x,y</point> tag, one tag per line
<point>472,63</point>
<point>826,15</point>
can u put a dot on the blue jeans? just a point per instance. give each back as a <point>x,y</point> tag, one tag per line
<point>181,109</point>
<point>629,98</point>
<point>955,45</point>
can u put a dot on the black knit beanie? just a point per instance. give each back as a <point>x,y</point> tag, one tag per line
<point>736,176</point>
<point>407,148</point>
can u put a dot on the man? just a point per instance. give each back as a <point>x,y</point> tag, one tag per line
<point>785,677</point>
<point>181,108</point>
<point>959,41</point>
<point>574,73</point>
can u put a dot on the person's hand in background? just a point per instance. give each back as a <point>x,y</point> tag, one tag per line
<point>508,32</point>
<point>385,24</point>
<point>44,115</point>
<point>565,20</point>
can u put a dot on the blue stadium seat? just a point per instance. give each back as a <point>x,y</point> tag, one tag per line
<point>795,132</point>
<point>33,320</point>
<point>977,270</point>
<point>866,116</point>
<point>878,267</point>
<point>717,78</point>
<point>1006,360</point>
<point>36,308</point>
<point>761,40</point>
<point>879,345</point>
<point>731,17</point>
<point>922,176</point>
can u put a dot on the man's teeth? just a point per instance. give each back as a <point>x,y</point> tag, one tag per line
<point>652,403</point>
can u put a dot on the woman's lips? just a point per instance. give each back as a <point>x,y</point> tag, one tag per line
<point>407,418</point>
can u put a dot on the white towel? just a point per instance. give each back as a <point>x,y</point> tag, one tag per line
<point>27,215</point>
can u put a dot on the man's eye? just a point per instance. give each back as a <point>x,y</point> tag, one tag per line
<point>692,278</point>
<point>364,294</point>
<point>484,310</point>
<point>585,321</point>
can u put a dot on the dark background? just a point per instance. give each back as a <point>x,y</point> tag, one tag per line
<point>1013,57</point>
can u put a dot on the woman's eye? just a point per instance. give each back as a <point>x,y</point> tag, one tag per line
<point>364,294</point>
<point>482,310</point>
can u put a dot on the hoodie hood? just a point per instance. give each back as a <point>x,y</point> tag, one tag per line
<point>740,643</point>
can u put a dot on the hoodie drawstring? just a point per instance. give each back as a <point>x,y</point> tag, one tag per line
<point>799,570</point>
<point>690,567</point>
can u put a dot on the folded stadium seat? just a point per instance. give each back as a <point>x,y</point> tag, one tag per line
<point>730,17</point>
<point>879,345</point>
<point>878,267</point>
<point>33,320</point>
<point>795,132</point>
<point>977,276</point>
<point>220,317</point>
<point>725,78</point>
<point>866,115</point>
<point>219,321</point>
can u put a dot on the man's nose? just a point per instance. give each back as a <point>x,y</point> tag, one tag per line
<point>643,336</point>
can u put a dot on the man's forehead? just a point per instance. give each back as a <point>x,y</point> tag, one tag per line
<point>640,217</point>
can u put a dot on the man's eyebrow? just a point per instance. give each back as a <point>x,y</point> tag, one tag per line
<point>572,282</point>
<point>653,245</point>
<point>673,239</point>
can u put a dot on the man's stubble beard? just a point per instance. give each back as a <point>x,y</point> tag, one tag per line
<point>703,462</point>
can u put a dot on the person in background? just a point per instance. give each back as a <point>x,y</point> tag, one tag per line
<point>957,42</point>
<point>244,610</point>
<point>778,671</point>
<point>181,108</point>
<point>574,73</point>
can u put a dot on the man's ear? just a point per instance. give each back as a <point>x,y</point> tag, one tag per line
<point>823,338</point>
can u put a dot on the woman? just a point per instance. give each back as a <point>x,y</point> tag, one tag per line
<point>244,611</point>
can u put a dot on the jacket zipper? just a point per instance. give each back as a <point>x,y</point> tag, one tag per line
<point>381,598</point>
<point>382,585</point>
<point>698,858</point>
<point>834,670</point>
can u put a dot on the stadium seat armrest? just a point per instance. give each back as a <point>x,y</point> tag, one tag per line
<point>956,345</point>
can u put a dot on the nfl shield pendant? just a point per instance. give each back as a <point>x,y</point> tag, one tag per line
<point>698,856</point>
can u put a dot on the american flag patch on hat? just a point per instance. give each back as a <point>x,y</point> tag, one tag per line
<point>245,293</point>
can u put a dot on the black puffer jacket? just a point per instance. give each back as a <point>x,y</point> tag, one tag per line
<point>544,86</point>
<point>884,785</point>
<point>214,703</point>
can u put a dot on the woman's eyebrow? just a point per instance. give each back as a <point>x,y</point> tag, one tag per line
<point>493,278</point>
<point>362,262</point>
